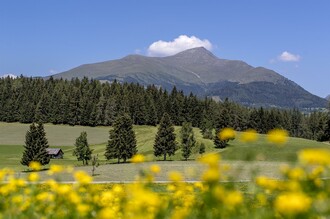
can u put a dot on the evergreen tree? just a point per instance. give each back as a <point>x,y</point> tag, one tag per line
<point>43,110</point>
<point>222,121</point>
<point>165,139</point>
<point>35,146</point>
<point>218,142</point>
<point>187,139</point>
<point>207,129</point>
<point>122,142</point>
<point>82,150</point>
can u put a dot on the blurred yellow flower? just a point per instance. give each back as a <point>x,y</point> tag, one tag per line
<point>45,197</point>
<point>17,199</point>
<point>277,136</point>
<point>107,213</point>
<point>233,199</point>
<point>249,135</point>
<point>83,209</point>
<point>82,177</point>
<point>175,176</point>
<point>297,173</point>
<point>63,189</point>
<point>34,165</point>
<point>138,158</point>
<point>226,134</point>
<point>55,169</point>
<point>211,175</point>
<point>155,168</point>
<point>320,156</point>
<point>33,177</point>
<point>74,197</point>
<point>211,159</point>
<point>267,183</point>
<point>292,203</point>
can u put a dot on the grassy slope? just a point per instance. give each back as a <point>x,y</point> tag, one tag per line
<point>12,137</point>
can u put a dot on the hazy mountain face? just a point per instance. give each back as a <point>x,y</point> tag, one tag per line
<point>199,71</point>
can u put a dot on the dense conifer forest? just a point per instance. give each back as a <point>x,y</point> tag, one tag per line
<point>92,103</point>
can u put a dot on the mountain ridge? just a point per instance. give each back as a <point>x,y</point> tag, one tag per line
<point>200,71</point>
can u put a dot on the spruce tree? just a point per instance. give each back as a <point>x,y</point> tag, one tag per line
<point>35,146</point>
<point>122,142</point>
<point>187,139</point>
<point>165,139</point>
<point>82,150</point>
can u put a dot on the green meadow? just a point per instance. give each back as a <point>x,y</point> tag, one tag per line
<point>244,158</point>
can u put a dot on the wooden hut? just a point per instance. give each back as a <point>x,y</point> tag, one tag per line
<point>55,153</point>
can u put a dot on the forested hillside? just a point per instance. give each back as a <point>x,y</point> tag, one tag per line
<point>92,103</point>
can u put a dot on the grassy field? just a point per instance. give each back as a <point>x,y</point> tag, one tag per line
<point>243,158</point>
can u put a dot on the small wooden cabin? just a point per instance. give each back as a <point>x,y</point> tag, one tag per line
<point>55,153</point>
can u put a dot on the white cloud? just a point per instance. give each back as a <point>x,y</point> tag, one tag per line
<point>288,57</point>
<point>8,75</point>
<point>183,42</point>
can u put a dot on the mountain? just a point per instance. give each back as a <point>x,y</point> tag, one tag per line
<point>200,71</point>
<point>8,75</point>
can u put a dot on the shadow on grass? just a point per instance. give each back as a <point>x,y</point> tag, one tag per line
<point>31,171</point>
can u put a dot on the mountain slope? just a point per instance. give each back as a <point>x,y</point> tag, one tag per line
<point>201,72</point>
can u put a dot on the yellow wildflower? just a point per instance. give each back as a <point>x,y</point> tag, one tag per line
<point>219,193</point>
<point>292,203</point>
<point>17,199</point>
<point>106,198</point>
<point>267,183</point>
<point>211,159</point>
<point>74,197</point>
<point>107,213</point>
<point>175,176</point>
<point>154,168</point>
<point>33,177</point>
<point>233,199</point>
<point>45,197</point>
<point>211,175</point>
<point>63,189</point>
<point>297,173</point>
<point>226,134</point>
<point>83,209</point>
<point>199,185</point>
<point>171,188</point>
<point>318,156</point>
<point>249,135</point>
<point>55,169</point>
<point>138,158</point>
<point>82,177</point>
<point>35,165</point>
<point>277,136</point>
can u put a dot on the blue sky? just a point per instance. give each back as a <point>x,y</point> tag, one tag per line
<point>42,37</point>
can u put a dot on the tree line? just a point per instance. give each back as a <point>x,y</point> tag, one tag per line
<point>91,103</point>
<point>121,144</point>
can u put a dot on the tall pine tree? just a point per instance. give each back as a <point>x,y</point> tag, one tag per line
<point>82,150</point>
<point>187,139</point>
<point>122,142</point>
<point>165,139</point>
<point>35,146</point>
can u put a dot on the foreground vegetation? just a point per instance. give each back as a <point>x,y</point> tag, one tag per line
<point>303,193</point>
